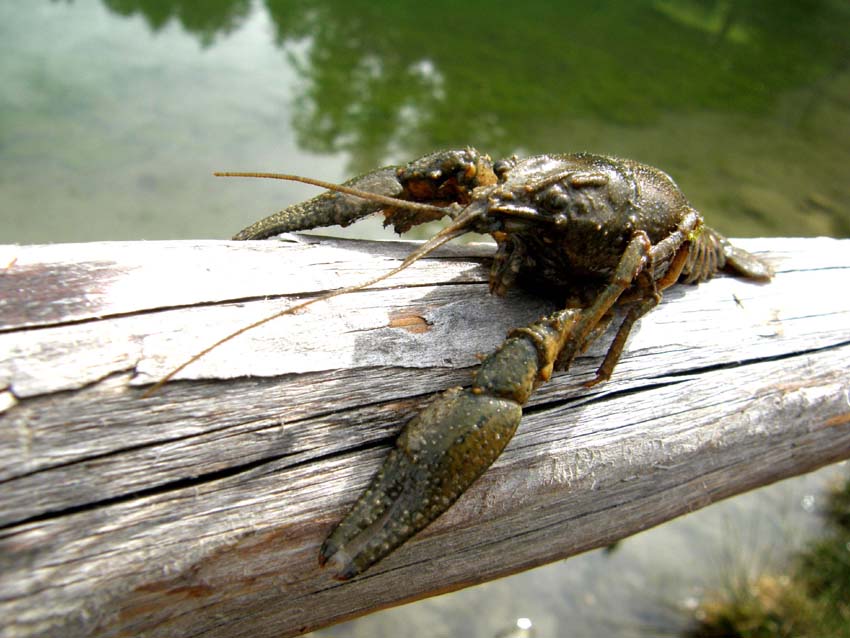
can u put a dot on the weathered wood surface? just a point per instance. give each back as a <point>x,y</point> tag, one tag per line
<point>199,511</point>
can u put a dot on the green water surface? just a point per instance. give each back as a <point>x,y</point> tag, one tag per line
<point>114,113</point>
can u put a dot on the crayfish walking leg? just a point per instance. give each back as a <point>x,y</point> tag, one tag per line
<point>444,448</point>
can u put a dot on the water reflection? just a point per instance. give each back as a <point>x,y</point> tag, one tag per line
<point>203,19</point>
<point>743,103</point>
<point>384,79</point>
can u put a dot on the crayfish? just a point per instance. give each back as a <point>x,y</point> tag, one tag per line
<point>604,231</point>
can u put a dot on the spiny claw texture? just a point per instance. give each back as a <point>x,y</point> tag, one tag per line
<point>444,448</point>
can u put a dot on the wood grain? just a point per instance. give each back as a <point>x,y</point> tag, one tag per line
<point>199,511</point>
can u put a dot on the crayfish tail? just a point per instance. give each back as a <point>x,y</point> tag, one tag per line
<point>712,252</point>
<point>745,263</point>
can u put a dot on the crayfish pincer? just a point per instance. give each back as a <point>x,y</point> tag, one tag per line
<point>600,230</point>
<point>446,447</point>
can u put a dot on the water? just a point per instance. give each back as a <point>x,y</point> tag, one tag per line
<point>114,113</point>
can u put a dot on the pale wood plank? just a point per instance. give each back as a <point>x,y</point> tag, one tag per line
<point>199,511</point>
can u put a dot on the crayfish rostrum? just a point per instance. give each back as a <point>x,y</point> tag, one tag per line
<point>604,230</point>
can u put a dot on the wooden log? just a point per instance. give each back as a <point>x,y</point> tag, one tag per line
<point>199,510</point>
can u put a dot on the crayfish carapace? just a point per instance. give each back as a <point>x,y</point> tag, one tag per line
<point>614,230</point>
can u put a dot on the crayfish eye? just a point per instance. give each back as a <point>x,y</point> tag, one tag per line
<point>501,167</point>
<point>555,200</point>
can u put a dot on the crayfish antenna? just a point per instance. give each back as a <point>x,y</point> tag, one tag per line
<point>457,228</point>
<point>348,190</point>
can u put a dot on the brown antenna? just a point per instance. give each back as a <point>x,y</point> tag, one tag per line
<point>457,228</point>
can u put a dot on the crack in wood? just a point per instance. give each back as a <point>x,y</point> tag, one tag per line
<point>157,490</point>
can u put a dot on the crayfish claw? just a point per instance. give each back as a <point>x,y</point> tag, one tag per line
<point>445,448</point>
<point>437,457</point>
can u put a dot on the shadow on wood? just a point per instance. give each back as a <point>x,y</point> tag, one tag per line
<point>200,510</point>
